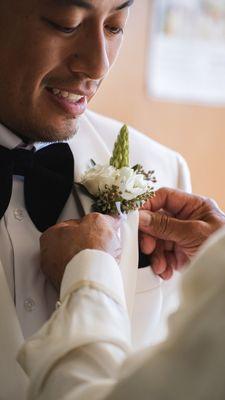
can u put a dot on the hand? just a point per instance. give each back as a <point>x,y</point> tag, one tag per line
<point>173,225</point>
<point>60,243</point>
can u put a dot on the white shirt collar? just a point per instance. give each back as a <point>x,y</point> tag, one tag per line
<point>9,140</point>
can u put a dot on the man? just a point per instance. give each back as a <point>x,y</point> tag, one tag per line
<point>54,56</point>
<point>81,361</point>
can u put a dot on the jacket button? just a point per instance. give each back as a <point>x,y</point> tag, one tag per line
<point>29,304</point>
<point>18,214</point>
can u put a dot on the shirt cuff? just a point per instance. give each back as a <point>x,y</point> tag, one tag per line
<point>96,269</point>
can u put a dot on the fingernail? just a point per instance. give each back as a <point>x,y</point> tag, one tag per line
<point>144,218</point>
<point>157,268</point>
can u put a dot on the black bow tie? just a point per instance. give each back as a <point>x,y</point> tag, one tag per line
<point>48,180</point>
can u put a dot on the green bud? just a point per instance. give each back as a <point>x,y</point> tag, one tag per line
<point>120,157</point>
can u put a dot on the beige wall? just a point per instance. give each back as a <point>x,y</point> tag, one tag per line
<point>196,132</point>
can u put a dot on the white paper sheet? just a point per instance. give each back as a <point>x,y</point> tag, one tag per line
<point>187,51</point>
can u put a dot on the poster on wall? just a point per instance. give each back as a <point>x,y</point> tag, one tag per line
<point>187,51</point>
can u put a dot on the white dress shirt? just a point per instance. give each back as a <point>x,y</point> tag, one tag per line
<point>33,294</point>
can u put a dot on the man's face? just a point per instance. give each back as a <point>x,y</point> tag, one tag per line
<point>54,55</point>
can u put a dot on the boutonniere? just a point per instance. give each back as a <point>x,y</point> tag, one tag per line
<point>116,187</point>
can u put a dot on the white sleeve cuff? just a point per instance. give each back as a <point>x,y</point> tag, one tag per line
<point>93,268</point>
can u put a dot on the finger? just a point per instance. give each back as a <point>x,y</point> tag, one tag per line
<point>171,259</point>
<point>174,201</point>
<point>147,244</point>
<point>169,245</point>
<point>163,227</point>
<point>170,266</point>
<point>167,274</point>
<point>181,258</point>
<point>158,259</point>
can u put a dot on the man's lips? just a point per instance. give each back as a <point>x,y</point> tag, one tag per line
<point>71,101</point>
<point>73,94</point>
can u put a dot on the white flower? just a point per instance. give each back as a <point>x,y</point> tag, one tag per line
<point>117,188</point>
<point>131,183</point>
<point>96,178</point>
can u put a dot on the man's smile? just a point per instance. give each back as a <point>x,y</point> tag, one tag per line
<point>71,97</point>
<point>71,103</point>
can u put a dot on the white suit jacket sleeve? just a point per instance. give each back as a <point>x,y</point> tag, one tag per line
<point>91,327</point>
<point>191,362</point>
<point>189,365</point>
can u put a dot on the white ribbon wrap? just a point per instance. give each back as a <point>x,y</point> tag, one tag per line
<point>129,257</point>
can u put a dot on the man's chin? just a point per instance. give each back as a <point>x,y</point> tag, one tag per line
<point>46,132</point>
<point>53,135</point>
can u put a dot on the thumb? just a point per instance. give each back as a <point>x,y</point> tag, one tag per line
<point>162,226</point>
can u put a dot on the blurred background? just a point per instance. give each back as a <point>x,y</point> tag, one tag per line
<point>171,93</point>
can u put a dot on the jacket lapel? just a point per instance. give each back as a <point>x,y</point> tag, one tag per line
<point>13,381</point>
<point>87,145</point>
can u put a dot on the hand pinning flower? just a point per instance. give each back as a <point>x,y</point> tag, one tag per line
<point>117,187</point>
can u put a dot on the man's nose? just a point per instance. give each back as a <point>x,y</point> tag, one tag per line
<point>91,56</point>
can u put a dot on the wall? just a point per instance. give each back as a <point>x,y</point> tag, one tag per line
<point>198,133</point>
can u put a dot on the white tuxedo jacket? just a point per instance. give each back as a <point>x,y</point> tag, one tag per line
<point>95,140</point>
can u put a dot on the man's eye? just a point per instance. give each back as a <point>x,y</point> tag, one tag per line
<point>114,30</point>
<point>64,29</point>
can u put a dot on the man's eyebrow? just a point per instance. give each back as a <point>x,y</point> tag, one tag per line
<point>124,5</point>
<point>88,6</point>
<point>76,3</point>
